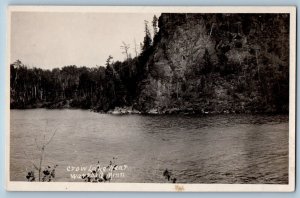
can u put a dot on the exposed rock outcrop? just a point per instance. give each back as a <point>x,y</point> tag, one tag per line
<point>218,63</point>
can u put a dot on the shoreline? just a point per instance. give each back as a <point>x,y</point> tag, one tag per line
<point>173,111</point>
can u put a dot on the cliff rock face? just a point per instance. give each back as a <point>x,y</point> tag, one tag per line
<point>218,63</point>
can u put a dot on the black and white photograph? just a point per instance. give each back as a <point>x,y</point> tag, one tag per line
<point>151,98</point>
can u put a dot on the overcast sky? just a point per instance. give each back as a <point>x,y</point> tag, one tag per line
<point>49,40</point>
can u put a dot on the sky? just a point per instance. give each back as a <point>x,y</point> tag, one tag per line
<point>51,39</point>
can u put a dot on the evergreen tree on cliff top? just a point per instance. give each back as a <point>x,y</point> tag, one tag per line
<point>147,39</point>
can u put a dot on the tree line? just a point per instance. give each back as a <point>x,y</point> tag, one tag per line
<point>100,88</point>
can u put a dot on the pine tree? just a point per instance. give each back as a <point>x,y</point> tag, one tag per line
<point>154,24</point>
<point>147,39</point>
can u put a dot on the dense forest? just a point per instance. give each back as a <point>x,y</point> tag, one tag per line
<point>193,63</point>
<point>101,88</point>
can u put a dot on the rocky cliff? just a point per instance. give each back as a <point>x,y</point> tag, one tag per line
<point>217,63</point>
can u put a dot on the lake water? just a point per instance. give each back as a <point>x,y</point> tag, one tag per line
<point>196,149</point>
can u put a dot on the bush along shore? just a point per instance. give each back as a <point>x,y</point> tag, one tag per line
<point>192,64</point>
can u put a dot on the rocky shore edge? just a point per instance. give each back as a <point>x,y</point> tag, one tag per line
<point>184,110</point>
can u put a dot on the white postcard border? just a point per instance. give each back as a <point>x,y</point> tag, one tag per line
<point>160,187</point>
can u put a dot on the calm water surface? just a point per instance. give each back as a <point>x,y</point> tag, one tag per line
<point>196,149</point>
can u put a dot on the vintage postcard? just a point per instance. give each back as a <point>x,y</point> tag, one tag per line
<point>169,98</point>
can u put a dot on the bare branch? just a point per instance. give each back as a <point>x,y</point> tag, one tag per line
<point>34,165</point>
<point>51,137</point>
<point>125,47</point>
<point>36,144</point>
